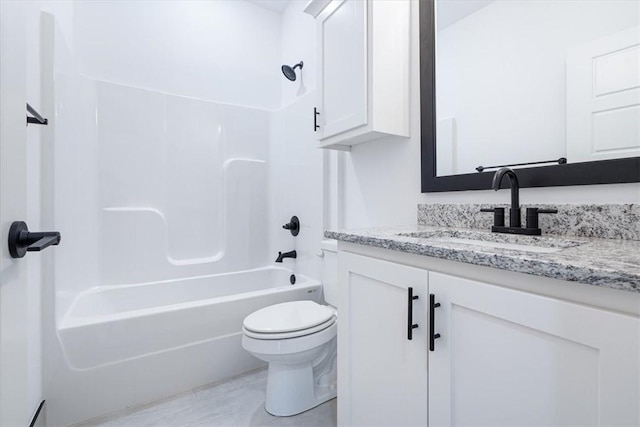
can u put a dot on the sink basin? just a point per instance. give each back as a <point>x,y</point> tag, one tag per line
<point>494,240</point>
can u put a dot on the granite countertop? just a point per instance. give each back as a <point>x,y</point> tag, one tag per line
<point>607,263</point>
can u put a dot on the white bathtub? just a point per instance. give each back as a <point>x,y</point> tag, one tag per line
<point>126,345</point>
<point>107,325</point>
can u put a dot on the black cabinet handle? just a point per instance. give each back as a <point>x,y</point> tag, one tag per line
<point>315,119</point>
<point>410,325</point>
<point>22,240</point>
<point>432,322</point>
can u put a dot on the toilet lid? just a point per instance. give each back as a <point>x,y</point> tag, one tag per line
<point>287,335</point>
<point>288,317</point>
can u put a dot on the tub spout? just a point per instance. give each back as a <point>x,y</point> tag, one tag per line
<point>282,256</point>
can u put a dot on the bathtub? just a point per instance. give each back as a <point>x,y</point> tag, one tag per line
<point>107,325</point>
<point>130,344</point>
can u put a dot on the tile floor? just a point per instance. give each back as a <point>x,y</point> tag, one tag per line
<point>238,401</point>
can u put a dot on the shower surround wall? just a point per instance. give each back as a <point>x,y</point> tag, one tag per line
<point>182,186</point>
<point>168,187</point>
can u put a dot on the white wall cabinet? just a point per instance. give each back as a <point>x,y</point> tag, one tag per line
<point>363,71</point>
<point>503,357</point>
<point>382,375</point>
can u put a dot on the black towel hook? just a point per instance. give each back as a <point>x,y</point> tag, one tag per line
<point>37,117</point>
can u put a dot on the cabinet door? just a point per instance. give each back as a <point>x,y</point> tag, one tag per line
<point>342,71</point>
<point>382,375</point>
<point>507,358</point>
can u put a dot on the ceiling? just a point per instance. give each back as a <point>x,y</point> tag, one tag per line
<point>277,6</point>
<point>451,11</point>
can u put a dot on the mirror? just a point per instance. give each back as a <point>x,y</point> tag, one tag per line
<point>514,82</point>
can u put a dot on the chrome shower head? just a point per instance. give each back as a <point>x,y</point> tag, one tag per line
<point>290,72</point>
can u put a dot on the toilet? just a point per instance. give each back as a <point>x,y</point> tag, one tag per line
<point>298,340</point>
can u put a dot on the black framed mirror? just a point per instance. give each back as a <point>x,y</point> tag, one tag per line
<point>609,171</point>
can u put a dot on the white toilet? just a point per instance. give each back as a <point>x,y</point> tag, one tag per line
<point>298,340</point>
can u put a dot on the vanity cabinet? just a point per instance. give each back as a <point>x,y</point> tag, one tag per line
<point>382,375</point>
<point>507,357</point>
<point>504,356</point>
<point>363,71</point>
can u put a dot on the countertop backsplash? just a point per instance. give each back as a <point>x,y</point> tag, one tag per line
<point>580,220</point>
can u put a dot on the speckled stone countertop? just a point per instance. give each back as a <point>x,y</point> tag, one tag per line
<point>607,263</point>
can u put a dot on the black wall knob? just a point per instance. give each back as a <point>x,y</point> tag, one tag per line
<point>293,226</point>
<point>21,240</point>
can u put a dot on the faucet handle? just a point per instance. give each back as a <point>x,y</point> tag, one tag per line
<point>293,226</point>
<point>547,210</point>
<point>498,215</point>
<point>532,216</point>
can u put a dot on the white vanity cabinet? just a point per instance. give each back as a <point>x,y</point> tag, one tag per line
<point>504,356</point>
<point>382,375</point>
<point>507,357</point>
<point>363,71</point>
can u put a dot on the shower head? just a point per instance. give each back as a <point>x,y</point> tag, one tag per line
<point>290,72</point>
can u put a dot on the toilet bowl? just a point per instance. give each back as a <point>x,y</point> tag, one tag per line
<point>298,340</point>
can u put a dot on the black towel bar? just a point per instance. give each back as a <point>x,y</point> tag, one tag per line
<point>560,161</point>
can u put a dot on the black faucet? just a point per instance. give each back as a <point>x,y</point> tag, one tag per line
<point>514,212</point>
<point>282,256</point>
<point>515,226</point>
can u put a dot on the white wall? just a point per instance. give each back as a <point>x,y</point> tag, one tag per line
<point>225,50</point>
<point>182,185</point>
<point>298,43</point>
<point>295,187</point>
<point>37,138</point>
<point>151,186</point>
<point>382,185</point>
<point>295,164</point>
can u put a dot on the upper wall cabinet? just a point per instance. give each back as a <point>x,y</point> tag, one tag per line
<point>363,72</point>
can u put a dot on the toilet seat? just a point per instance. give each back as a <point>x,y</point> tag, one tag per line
<point>288,320</point>
<point>287,347</point>
<point>285,335</point>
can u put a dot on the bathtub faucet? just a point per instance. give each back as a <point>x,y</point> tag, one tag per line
<point>282,256</point>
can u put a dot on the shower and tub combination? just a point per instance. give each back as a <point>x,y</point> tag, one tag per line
<point>166,249</point>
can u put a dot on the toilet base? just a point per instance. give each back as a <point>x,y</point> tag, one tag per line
<point>293,389</point>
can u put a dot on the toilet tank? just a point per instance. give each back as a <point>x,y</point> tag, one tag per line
<point>330,271</point>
